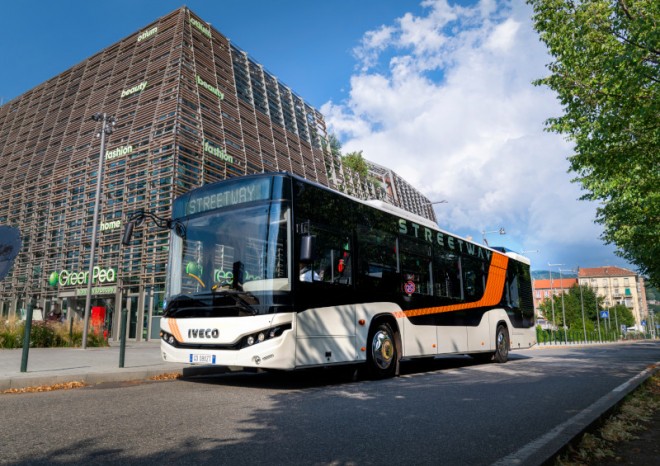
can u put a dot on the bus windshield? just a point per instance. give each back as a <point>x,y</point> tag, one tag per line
<point>229,262</point>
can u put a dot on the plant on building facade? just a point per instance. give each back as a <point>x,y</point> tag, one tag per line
<point>335,145</point>
<point>605,71</point>
<point>355,161</point>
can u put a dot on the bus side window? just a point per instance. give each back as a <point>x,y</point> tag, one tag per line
<point>446,274</point>
<point>474,277</point>
<point>333,259</point>
<point>415,262</point>
<point>378,261</point>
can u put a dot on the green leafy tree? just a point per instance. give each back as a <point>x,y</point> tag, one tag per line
<point>573,303</point>
<point>622,315</point>
<point>356,162</point>
<point>335,145</point>
<point>605,71</point>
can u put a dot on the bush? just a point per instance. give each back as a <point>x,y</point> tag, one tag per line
<point>46,335</point>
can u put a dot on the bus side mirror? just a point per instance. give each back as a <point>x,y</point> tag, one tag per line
<point>307,243</point>
<point>128,233</point>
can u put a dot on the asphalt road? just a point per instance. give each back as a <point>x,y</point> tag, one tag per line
<point>448,411</point>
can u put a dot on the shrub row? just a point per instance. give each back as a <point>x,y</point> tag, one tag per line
<point>577,336</point>
<point>47,335</point>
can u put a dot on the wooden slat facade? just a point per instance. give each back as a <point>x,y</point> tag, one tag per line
<point>198,89</point>
<point>182,93</point>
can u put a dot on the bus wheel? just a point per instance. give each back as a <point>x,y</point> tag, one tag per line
<point>501,344</point>
<point>382,356</point>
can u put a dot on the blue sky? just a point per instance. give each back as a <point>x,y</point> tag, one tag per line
<point>307,44</point>
<point>438,91</point>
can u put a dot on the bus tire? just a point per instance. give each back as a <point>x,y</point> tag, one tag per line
<point>382,355</point>
<point>501,344</point>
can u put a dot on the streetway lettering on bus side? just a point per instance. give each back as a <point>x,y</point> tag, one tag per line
<point>442,239</point>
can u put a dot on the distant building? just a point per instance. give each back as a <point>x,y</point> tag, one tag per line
<point>618,286</point>
<point>191,108</point>
<point>383,184</point>
<point>545,288</point>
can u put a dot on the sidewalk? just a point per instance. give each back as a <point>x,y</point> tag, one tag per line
<point>49,366</point>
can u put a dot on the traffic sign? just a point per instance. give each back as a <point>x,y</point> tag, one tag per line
<point>604,314</point>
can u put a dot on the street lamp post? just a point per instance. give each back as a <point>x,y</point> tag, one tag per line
<point>484,233</point>
<point>552,305</point>
<point>563,309</point>
<point>108,123</point>
<point>434,203</point>
<point>616,319</point>
<point>600,337</point>
<point>584,325</point>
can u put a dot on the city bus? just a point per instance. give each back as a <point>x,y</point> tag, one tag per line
<point>276,272</point>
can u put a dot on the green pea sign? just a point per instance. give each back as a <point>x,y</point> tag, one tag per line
<point>67,278</point>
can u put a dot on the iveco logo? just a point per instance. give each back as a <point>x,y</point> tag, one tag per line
<point>203,333</point>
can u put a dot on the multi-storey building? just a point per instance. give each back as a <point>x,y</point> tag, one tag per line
<point>191,108</point>
<point>618,286</point>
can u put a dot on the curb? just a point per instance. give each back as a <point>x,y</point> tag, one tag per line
<point>545,449</point>
<point>94,378</point>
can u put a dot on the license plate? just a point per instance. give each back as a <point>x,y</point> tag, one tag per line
<point>202,358</point>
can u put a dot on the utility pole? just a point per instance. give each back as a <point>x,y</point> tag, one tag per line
<point>584,325</point>
<point>108,123</point>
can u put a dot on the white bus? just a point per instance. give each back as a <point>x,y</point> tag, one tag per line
<point>272,271</point>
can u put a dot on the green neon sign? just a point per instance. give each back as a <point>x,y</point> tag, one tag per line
<point>139,88</point>
<point>147,34</point>
<point>208,87</point>
<point>67,278</point>
<point>200,26</point>
<point>219,153</point>
<point>118,152</point>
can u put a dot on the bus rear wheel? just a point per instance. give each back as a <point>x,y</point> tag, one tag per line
<point>501,345</point>
<point>382,357</point>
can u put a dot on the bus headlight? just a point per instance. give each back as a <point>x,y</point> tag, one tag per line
<point>168,338</point>
<point>264,335</point>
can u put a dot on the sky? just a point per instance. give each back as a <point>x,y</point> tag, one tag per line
<point>439,91</point>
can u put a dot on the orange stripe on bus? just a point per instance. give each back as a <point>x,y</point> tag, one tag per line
<point>492,295</point>
<point>174,327</point>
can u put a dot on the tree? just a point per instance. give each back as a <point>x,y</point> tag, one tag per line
<point>335,145</point>
<point>356,162</point>
<point>622,315</point>
<point>573,304</point>
<point>606,72</point>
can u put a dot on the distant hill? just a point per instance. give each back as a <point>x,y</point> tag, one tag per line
<point>545,274</point>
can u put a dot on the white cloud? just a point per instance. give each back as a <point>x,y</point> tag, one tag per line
<point>456,115</point>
